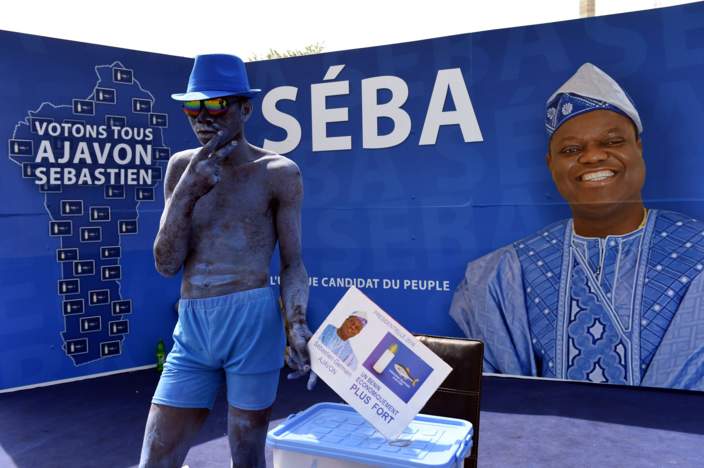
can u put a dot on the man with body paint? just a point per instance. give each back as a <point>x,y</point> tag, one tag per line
<point>227,204</point>
<point>336,338</point>
<point>611,295</point>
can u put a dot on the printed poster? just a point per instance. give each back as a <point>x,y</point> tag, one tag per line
<point>374,364</point>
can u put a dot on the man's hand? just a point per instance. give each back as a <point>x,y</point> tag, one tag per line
<point>203,171</point>
<point>297,356</point>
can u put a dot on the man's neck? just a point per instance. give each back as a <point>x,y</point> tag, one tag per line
<point>617,223</point>
<point>243,153</point>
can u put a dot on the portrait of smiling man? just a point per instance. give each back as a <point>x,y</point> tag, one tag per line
<point>227,204</point>
<point>336,339</point>
<point>613,294</point>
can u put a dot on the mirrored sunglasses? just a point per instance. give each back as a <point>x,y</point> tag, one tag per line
<point>214,107</point>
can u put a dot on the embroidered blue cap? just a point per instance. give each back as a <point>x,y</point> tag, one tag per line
<point>589,89</point>
<point>217,75</point>
<point>361,315</point>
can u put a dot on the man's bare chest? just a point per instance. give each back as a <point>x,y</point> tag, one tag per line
<point>234,201</point>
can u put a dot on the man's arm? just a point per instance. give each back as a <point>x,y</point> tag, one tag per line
<point>678,361</point>
<point>189,176</point>
<point>171,243</point>
<point>294,278</point>
<point>489,305</point>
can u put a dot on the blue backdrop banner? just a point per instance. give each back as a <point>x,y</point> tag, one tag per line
<point>416,158</point>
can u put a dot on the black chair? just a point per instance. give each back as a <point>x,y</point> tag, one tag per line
<point>458,396</point>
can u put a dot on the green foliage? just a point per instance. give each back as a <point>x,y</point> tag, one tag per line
<point>314,48</point>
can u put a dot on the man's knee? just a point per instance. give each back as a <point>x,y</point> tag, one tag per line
<point>247,434</point>
<point>160,451</point>
<point>168,434</point>
<point>246,421</point>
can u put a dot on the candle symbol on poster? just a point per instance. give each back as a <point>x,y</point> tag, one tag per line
<point>386,357</point>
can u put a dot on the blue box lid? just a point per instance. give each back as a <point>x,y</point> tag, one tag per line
<point>336,430</point>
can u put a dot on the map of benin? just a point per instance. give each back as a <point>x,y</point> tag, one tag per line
<point>94,160</point>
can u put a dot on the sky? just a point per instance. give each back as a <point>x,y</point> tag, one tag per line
<point>187,28</point>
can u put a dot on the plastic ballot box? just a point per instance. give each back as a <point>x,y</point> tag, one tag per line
<point>333,435</point>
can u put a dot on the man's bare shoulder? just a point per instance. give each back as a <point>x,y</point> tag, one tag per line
<point>283,175</point>
<point>176,166</point>
<point>182,158</point>
<point>280,166</point>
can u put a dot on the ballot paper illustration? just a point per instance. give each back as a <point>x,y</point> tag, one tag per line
<point>374,364</point>
<point>397,367</point>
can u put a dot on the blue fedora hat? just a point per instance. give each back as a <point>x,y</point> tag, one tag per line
<point>216,75</point>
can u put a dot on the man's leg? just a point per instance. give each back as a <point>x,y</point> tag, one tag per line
<point>247,434</point>
<point>169,434</point>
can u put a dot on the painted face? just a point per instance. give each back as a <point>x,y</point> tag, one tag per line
<point>205,125</point>
<point>597,163</point>
<point>350,327</point>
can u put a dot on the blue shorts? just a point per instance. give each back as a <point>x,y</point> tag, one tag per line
<point>238,338</point>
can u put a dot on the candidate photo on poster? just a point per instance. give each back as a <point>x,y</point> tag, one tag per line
<point>336,339</point>
<point>610,295</point>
